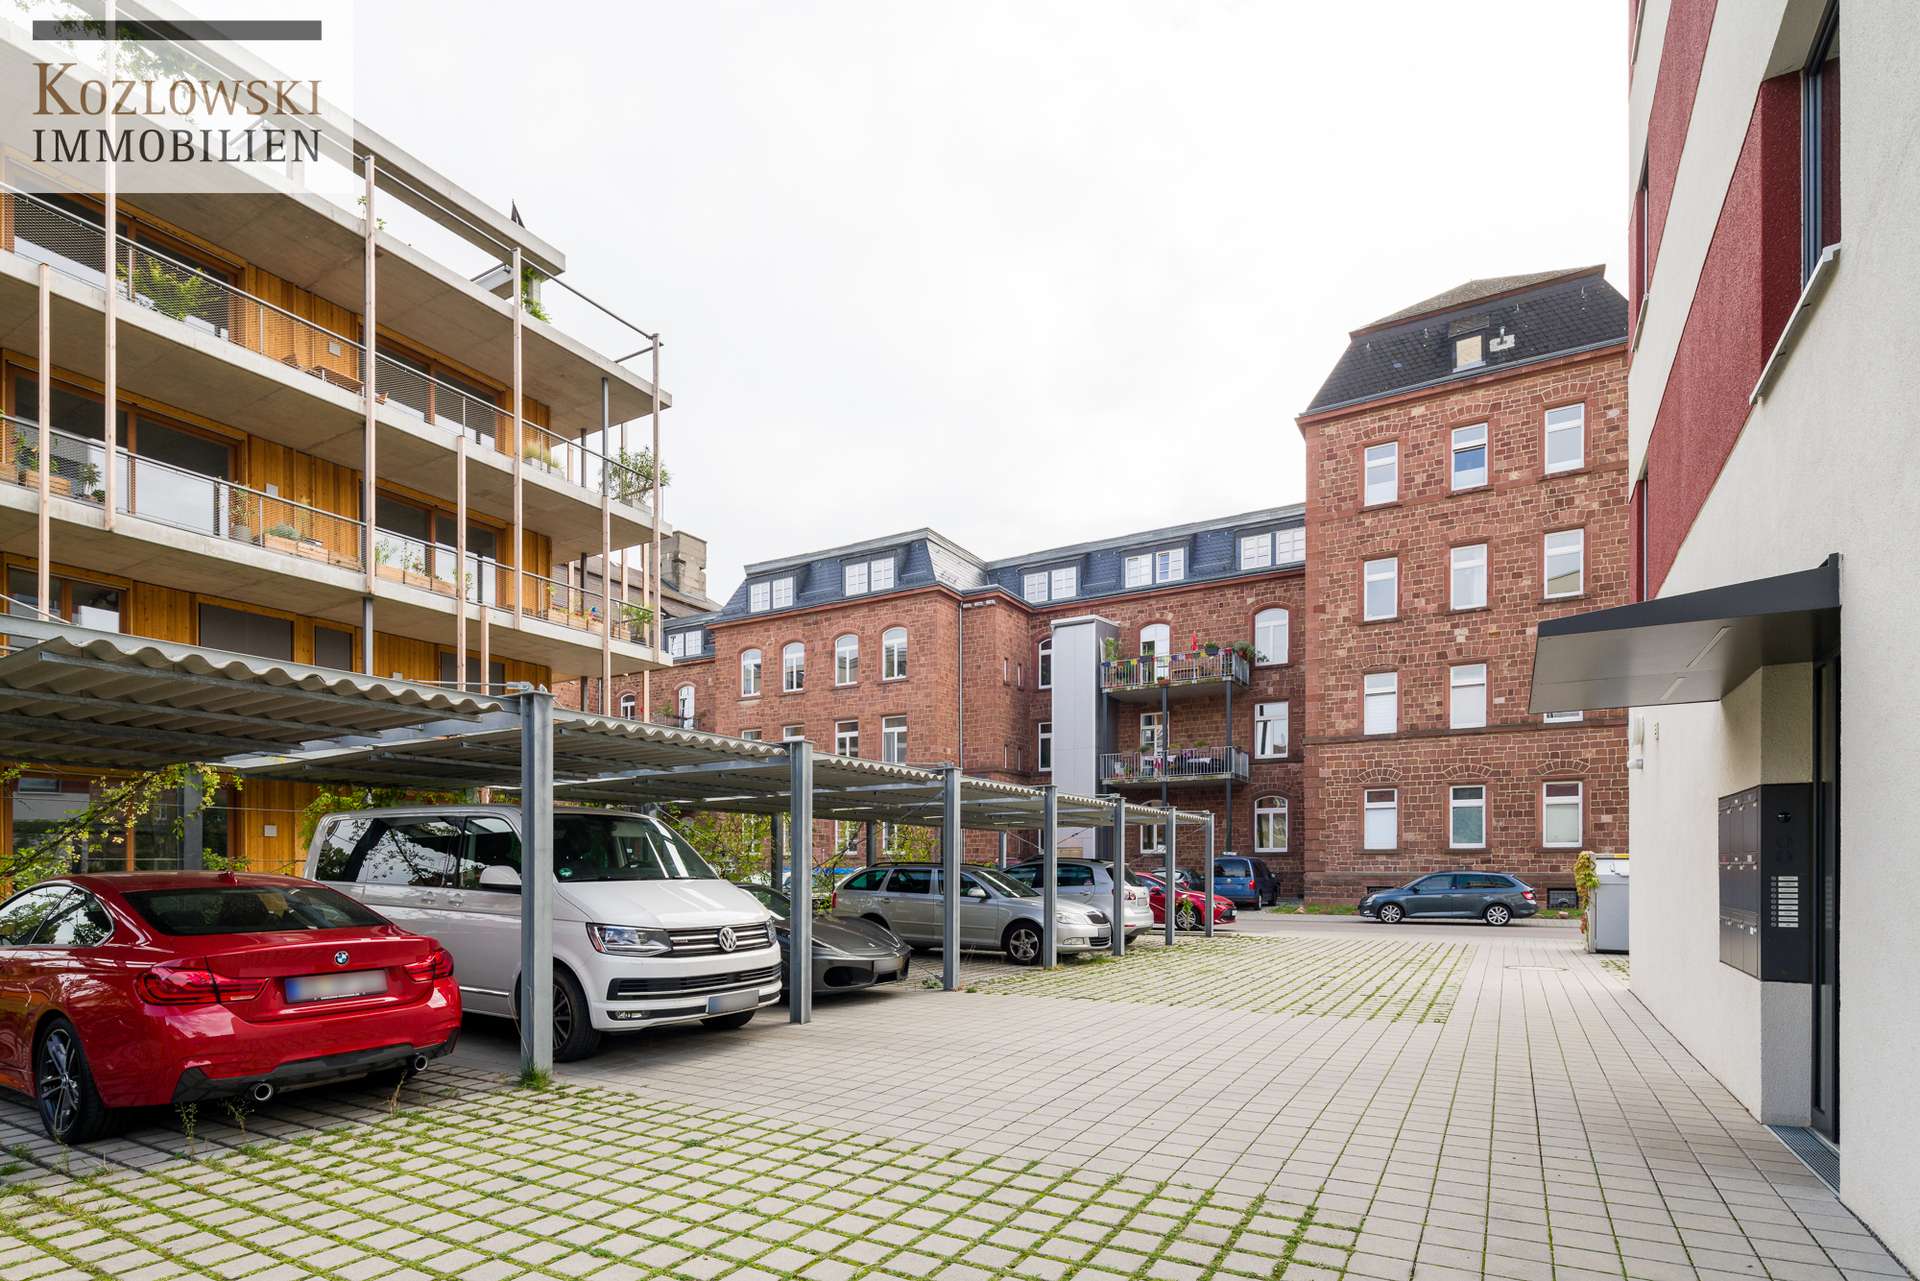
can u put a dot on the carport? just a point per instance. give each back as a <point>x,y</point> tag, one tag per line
<point>76,695</point>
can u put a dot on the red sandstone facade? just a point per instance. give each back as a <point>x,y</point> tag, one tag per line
<point>1515,755</point>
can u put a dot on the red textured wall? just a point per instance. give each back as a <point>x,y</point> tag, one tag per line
<point>1748,286</point>
<point>1682,49</point>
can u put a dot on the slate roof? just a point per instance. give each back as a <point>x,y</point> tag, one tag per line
<point>923,557</point>
<point>1546,314</point>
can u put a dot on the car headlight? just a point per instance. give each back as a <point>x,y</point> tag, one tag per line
<point>629,940</point>
<point>1062,918</point>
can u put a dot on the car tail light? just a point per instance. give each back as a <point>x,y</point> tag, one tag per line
<point>1527,895</point>
<point>439,965</point>
<point>193,983</point>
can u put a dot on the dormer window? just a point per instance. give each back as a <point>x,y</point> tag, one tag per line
<point>776,593</point>
<point>1470,351</point>
<point>1042,585</point>
<point>862,577</point>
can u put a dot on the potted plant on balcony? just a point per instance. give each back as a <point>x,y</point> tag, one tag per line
<point>638,620</point>
<point>1244,649</point>
<point>239,519</point>
<point>416,572</point>
<point>383,564</point>
<point>26,458</point>
<point>538,454</point>
<point>282,538</point>
<point>1211,649</point>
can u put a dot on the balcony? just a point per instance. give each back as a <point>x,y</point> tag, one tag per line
<point>1175,767</point>
<point>194,341</point>
<point>1141,679</point>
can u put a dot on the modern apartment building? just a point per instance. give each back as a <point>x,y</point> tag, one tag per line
<point>1775,220</point>
<point>1465,479</point>
<point>1108,666</point>
<point>389,468</point>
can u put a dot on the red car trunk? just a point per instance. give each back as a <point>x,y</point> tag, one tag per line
<point>278,957</point>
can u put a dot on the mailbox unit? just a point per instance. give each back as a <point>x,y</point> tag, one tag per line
<point>1766,882</point>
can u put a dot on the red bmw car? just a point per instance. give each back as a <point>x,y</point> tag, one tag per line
<point>141,989</point>
<point>1188,904</point>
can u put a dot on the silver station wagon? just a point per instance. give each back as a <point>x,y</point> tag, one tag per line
<point>997,913</point>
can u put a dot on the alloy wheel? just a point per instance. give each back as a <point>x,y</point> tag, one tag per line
<point>1392,913</point>
<point>1023,945</point>
<point>1499,914</point>
<point>1186,918</point>
<point>59,1090</point>
<point>562,1014</point>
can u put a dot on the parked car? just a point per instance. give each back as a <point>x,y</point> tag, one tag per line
<point>1190,906</point>
<point>645,933</point>
<point>1089,882</point>
<point>1249,882</point>
<point>128,990</point>
<point>847,952</point>
<point>1493,897</point>
<point>996,911</point>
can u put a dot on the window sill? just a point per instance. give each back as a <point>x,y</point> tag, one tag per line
<point>1558,472</point>
<point>1380,506</point>
<point>891,680</point>
<point>1470,609</point>
<point>1480,488</point>
<point>1561,600</point>
<point>1810,294</point>
<point>1390,618</point>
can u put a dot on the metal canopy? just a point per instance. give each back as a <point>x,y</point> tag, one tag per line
<point>76,695</point>
<point>1691,648</point>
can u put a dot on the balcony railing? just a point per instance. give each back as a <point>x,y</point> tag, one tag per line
<point>399,558</point>
<point>169,495</point>
<point>1174,766</point>
<point>1146,671</point>
<point>43,232</point>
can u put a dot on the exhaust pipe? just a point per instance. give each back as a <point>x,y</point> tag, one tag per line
<point>418,1064</point>
<point>261,1091</point>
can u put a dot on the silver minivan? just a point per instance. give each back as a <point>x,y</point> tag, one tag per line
<point>997,913</point>
<point>645,933</point>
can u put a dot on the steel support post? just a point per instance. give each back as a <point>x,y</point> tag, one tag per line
<point>1000,855</point>
<point>1118,946</point>
<point>659,500</point>
<point>777,855</point>
<point>536,881</point>
<point>193,825</point>
<point>519,452</point>
<point>800,895</point>
<point>1170,897</point>
<point>44,574</point>
<point>873,850</point>
<point>606,554</point>
<point>1208,917</point>
<point>110,373</point>
<point>1050,876</point>
<point>950,839</point>
<point>370,232</point>
<point>460,564</point>
<point>1229,799</point>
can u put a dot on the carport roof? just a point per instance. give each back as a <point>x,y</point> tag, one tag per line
<point>609,760</point>
<point>76,695</point>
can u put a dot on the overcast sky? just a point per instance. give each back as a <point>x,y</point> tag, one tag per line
<point>1026,273</point>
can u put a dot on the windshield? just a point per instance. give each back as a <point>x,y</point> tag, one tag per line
<point>1002,884</point>
<point>249,909</point>
<point>623,847</point>
<point>771,899</point>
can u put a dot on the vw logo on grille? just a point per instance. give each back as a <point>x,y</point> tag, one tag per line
<point>725,939</point>
<point>339,958</point>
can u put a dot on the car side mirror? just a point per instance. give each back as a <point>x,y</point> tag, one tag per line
<point>498,876</point>
<point>973,892</point>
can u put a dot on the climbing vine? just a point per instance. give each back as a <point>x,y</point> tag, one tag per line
<point>103,821</point>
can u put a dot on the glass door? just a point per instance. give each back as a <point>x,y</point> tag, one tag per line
<point>1826,907</point>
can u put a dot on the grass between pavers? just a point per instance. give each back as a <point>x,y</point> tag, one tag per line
<point>579,1181</point>
<point>1377,978</point>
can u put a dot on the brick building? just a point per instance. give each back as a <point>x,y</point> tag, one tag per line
<point>860,649</point>
<point>1465,479</point>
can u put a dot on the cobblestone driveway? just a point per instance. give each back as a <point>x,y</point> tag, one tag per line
<point>1543,1127</point>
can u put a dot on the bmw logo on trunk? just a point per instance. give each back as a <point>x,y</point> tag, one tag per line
<point>726,939</point>
<point>339,958</point>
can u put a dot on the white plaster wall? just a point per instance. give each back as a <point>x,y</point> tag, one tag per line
<point>1827,463</point>
<point>1077,652</point>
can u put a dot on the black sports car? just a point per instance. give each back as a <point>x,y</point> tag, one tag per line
<point>847,952</point>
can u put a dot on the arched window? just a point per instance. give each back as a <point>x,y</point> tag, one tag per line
<point>846,660</point>
<point>627,705</point>
<point>1156,642</point>
<point>1043,669</point>
<point>684,706</point>
<point>893,654</point>
<point>1270,825</point>
<point>1270,637</point>
<point>793,667</point>
<point>749,672</point>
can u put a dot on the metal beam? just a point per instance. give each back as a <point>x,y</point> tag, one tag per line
<point>659,499</point>
<point>238,691</point>
<point>950,839</point>
<point>1118,942</point>
<point>536,882</point>
<point>44,572</point>
<point>606,553</point>
<point>193,828</point>
<point>1208,916</point>
<point>1050,877</point>
<point>368,370</point>
<point>800,893</point>
<point>110,375</point>
<point>1170,896</point>
<point>460,561</point>
<point>519,451</point>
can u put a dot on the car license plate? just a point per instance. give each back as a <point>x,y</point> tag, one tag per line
<point>733,1002</point>
<point>335,987</point>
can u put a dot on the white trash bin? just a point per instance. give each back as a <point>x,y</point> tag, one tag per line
<point>1607,910</point>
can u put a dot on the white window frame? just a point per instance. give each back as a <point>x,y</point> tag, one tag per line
<point>1170,565</point>
<point>1290,545</point>
<point>893,654</point>
<point>1462,679</point>
<point>1063,582</point>
<point>846,738</point>
<point>1153,733</point>
<point>846,660</point>
<point>1467,559</point>
<point>1043,747</point>
<point>1033,587</point>
<point>1271,619</point>
<point>676,645</point>
<point>1462,797</point>
<point>1156,833</point>
<point>1266,808</point>
<point>683,705</point>
<point>1472,436</point>
<point>893,739</point>
<point>1384,457</point>
<point>1563,718</point>
<point>880,574</point>
<point>793,667</point>
<point>1043,665</point>
<point>1574,544</point>
<point>1267,717</point>
<point>751,661</point>
<point>750,735</point>
<point>1576,801</point>
<point>1385,801</point>
<point>853,578</point>
<point>629,706</point>
<point>1385,569</point>
<point>759,597</point>
<point>1139,571</point>
<point>783,592</point>
<point>1380,689</point>
<point>1256,550</point>
<point>792,733</point>
<point>1572,420</point>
